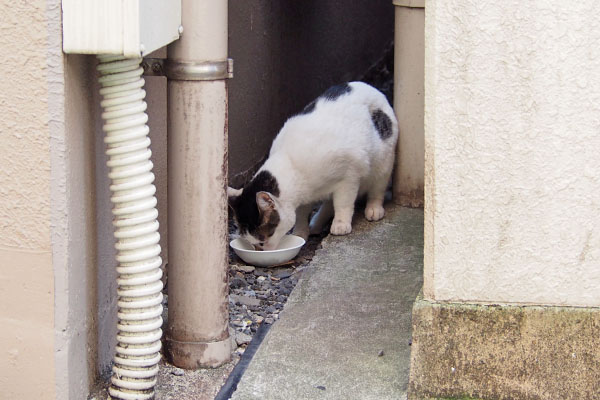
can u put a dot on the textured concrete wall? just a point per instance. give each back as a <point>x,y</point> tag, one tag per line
<point>26,276</point>
<point>288,52</point>
<point>71,121</point>
<point>47,231</point>
<point>512,167</point>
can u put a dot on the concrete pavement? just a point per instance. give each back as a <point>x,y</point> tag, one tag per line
<point>345,330</point>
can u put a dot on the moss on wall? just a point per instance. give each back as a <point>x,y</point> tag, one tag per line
<point>504,352</point>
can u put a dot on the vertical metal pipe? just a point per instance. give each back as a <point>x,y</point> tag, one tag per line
<point>409,58</point>
<point>197,334</point>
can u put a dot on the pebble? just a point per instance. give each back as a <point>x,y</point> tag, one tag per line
<point>261,272</point>
<point>270,309</point>
<point>381,353</point>
<point>242,338</point>
<point>289,284</point>
<point>246,268</point>
<point>283,274</point>
<point>269,320</point>
<point>237,283</point>
<point>178,372</point>
<point>244,300</point>
<point>321,387</point>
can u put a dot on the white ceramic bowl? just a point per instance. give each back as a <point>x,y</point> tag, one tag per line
<point>288,248</point>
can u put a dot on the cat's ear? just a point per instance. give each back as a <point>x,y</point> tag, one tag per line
<point>231,192</point>
<point>265,202</point>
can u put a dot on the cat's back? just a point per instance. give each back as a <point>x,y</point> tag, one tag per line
<point>342,120</point>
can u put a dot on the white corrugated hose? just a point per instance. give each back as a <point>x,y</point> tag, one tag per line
<point>136,228</point>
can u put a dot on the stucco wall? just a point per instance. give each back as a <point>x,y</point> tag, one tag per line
<point>26,276</point>
<point>47,226</point>
<point>512,137</point>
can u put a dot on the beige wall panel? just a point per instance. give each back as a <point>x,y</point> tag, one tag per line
<point>26,275</point>
<point>27,334</point>
<point>408,105</point>
<point>513,173</point>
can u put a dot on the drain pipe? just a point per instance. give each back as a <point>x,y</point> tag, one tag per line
<point>409,58</point>
<point>197,67</point>
<point>136,229</point>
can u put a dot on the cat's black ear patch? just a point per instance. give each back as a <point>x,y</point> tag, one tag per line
<point>336,91</point>
<point>263,182</point>
<point>382,123</point>
<point>244,205</point>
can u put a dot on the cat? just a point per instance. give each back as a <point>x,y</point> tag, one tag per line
<point>338,147</point>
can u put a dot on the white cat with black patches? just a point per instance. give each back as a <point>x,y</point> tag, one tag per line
<point>340,146</point>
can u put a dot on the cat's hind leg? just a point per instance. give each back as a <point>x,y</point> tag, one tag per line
<point>301,227</point>
<point>374,210</point>
<point>321,218</point>
<point>344,197</point>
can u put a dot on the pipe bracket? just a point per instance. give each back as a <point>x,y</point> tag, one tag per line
<point>188,71</point>
<point>199,71</point>
<point>153,66</point>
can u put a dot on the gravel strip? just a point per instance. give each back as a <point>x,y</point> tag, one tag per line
<point>257,295</point>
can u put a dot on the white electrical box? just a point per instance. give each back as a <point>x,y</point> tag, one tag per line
<point>132,28</point>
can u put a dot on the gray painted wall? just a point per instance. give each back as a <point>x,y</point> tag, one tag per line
<point>286,53</point>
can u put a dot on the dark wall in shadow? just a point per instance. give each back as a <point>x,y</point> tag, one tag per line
<point>286,53</point>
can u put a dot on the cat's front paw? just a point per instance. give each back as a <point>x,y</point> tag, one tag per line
<point>374,212</point>
<point>340,228</point>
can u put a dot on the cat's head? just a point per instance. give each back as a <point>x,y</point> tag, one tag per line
<point>260,217</point>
